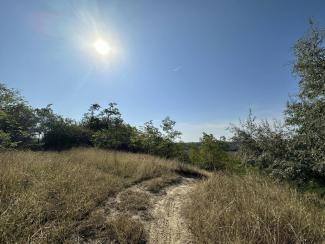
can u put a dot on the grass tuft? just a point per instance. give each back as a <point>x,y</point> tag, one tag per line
<point>252,209</point>
<point>157,184</point>
<point>134,201</point>
<point>125,230</point>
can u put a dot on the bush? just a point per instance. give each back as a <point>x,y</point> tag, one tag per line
<point>66,135</point>
<point>116,137</point>
<point>5,140</point>
<point>210,154</point>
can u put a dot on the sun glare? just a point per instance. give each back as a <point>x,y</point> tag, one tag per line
<point>102,47</point>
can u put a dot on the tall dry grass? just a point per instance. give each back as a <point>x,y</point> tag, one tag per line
<point>44,195</point>
<point>252,209</point>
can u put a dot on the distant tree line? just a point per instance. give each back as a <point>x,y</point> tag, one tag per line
<point>294,149</point>
<point>23,127</point>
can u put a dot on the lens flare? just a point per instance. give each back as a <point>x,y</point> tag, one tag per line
<point>102,47</point>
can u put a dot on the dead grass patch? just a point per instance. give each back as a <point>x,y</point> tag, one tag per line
<point>44,196</point>
<point>94,226</point>
<point>133,201</point>
<point>252,209</point>
<point>157,184</point>
<point>126,230</point>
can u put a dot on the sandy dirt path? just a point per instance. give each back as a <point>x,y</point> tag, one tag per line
<point>168,225</point>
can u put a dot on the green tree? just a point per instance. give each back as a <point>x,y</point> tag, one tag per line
<point>91,119</point>
<point>17,119</point>
<point>65,134</point>
<point>117,136</point>
<point>168,148</point>
<point>294,150</point>
<point>194,155</point>
<point>151,138</point>
<point>263,145</point>
<point>212,152</point>
<point>306,112</point>
<point>160,142</point>
<point>109,129</point>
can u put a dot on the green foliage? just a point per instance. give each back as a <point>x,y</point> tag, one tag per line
<point>117,137</point>
<point>66,134</point>
<point>262,145</point>
<point>157,142</point>
<point>111,132</point>
<point>5,140</point>
<point>17,119</point>
<point>108,128</point>
<point>150,138</point>
<point>306,113</point>
<point>41,128</point>
<point>210,154</point>
<point>295,150</point>
<point>99,119</point>
<point>194,154</point>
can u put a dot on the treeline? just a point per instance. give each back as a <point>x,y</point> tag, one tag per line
<point>293,150</point>
<point>24,127</point>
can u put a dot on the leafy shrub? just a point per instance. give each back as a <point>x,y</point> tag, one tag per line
<point>5,140</point>
<point>117,137</point>
<point>210,154</point>
<point>294,150</point>
<point>66,135</point>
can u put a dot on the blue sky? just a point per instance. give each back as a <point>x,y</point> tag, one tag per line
<point>202,62</point>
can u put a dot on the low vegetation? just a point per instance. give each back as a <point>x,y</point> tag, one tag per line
<point>157,184</point>
<point>124,230</point>
<point>45,196</point>
<point>253,209</point>
<point>134,201</point>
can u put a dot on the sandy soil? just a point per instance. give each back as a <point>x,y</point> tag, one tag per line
<point>168,225</point>
<point>163,220</point>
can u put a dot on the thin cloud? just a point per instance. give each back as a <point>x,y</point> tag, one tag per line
<point>177,68</point>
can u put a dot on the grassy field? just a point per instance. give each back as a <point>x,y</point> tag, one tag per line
<point>51,197</point>
<point>253,209</point>
<point>45,196</point>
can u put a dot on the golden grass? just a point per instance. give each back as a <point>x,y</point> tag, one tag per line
<point>126,230</point>
<point>252,209</point>
<point>134,201</point>
<point>157,184</point>
<point>45,195</point>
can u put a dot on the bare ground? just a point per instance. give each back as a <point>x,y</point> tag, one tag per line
<point>168,225</point>
<point>160,213</point>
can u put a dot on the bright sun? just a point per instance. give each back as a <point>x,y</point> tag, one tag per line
<point>102,47</point>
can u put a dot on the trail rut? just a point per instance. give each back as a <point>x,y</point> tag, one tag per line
<point>168,224</point>
<point>162,219</point>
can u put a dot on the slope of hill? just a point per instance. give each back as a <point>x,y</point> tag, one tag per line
<point>95,196</point>
<point>67,196</point>
<point>253,209</point>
